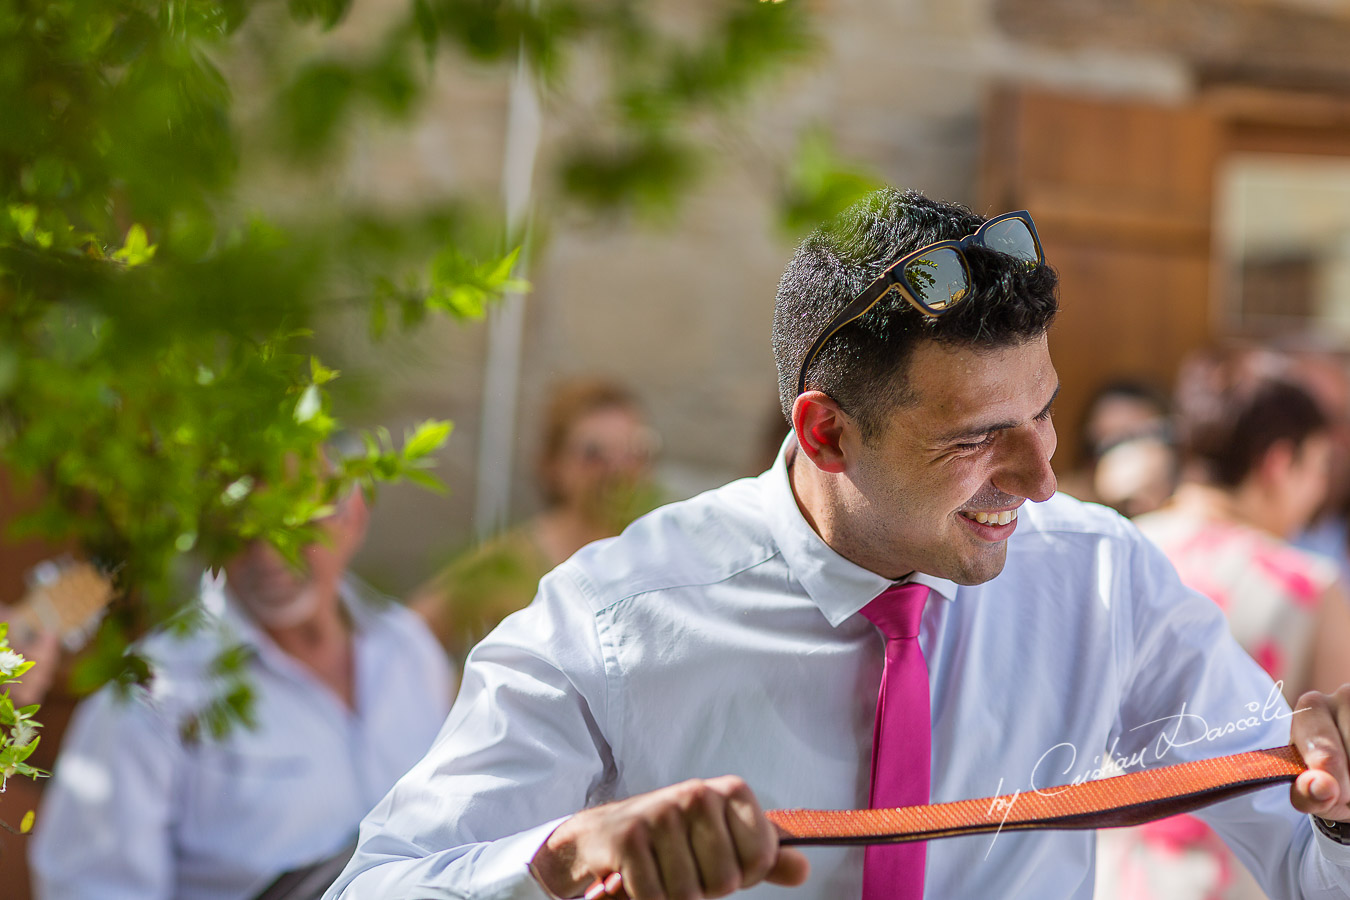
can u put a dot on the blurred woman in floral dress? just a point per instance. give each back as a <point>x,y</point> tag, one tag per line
<point>1255,451</point>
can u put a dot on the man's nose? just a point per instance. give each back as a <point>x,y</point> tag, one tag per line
<point>1026,471</point>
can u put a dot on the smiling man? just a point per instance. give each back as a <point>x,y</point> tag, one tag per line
<point>899,611</point>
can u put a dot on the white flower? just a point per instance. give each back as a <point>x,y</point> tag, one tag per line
<point>22,733</point>
<point>9,662</point>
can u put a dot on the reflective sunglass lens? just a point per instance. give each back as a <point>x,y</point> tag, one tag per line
<point>938,279</point>
<point>1011,236</point>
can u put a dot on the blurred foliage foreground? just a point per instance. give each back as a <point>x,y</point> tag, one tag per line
<point>160,392</point>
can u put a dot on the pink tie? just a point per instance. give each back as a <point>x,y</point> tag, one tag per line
<point>901,741</point>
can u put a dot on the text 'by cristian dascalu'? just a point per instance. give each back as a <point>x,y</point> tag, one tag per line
<point>1184,729</point>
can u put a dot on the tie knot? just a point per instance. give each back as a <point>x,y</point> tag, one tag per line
<point>897,610</point>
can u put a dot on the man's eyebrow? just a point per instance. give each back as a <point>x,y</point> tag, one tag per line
<point>977,430</point>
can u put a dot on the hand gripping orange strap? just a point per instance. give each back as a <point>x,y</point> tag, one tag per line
<point>1130,799</point>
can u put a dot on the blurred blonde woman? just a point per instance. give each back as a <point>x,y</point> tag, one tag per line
<point>594,470</point>
<point>1256,451</point>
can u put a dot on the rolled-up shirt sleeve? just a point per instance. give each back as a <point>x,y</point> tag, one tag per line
<point>104,827</point>
<point>522,750</point>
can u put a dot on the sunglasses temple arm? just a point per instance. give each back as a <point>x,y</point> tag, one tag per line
<point>854,310</point>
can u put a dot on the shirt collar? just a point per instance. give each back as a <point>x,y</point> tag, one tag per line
<point>838,586</point>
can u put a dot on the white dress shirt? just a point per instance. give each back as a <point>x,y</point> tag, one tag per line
<point>134,811</point>
<point>721,636</point>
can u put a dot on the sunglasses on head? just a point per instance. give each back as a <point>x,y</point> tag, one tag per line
<point>936,278</point>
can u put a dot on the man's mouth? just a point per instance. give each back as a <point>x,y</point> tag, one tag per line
<point>994,517</point>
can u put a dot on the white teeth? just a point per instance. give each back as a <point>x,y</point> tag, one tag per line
<point>995,518</point>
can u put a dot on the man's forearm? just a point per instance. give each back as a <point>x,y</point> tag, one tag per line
<point>386,867</point>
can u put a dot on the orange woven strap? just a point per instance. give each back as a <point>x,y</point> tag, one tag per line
<point>1110,802</point>
<point>1130,799</point>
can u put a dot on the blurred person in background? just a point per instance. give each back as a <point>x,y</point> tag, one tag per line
<point>1256,448</point>
<point>1136,475</point>
<point>1127,443</point>
<point>1122,409</point>
<point>595,472</point>
<point>1325,375</point>
<point>350,690</point>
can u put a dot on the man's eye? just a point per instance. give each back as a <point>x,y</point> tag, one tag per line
<point>976,445</point>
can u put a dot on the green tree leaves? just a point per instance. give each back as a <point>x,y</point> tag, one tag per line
<point>137,251</point>
<point>820,185</point>
<point>18,729</point>
<point>157,373</point>
<point>159,377</point>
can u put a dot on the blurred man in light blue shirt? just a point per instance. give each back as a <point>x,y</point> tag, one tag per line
<point>350,690</point>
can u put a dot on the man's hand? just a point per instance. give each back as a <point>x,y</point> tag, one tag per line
<point>685,842</point>
<point>1321,732</point>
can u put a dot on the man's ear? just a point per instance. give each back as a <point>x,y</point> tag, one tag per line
<point>820,425</point>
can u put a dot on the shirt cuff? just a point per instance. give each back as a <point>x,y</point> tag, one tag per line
<point>503,870</point>
<point>1332,852</point>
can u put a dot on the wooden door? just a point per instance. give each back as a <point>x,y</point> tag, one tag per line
<point>1122,196</point>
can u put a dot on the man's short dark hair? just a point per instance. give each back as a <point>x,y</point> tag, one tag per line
<point>1233,404</point>
<point>863,366</point>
